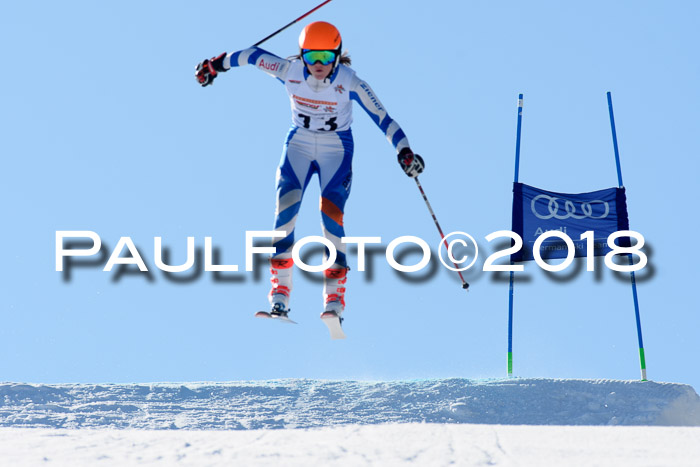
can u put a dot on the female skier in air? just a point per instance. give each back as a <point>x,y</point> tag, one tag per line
<point>321,87</point>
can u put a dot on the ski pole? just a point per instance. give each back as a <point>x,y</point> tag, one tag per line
<point>292,22</point>
<point>465,284</point>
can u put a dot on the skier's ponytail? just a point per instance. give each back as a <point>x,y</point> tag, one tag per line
<point>345,58</point>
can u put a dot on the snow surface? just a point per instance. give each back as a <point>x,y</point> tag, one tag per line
<point>308,422</point>
<point>311,403</point>
<point>420,444</point>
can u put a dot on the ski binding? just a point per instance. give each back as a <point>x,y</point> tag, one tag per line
<point>279,317</point>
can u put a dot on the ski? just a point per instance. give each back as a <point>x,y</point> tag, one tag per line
<point>330,319</point>
<point>332,322</point>
<point>283,318</point>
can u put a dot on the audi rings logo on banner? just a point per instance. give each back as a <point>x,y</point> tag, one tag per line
<point>570,209</point>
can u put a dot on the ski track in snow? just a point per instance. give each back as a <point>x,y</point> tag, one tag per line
<point>422,444</point>
<point>310,422</point>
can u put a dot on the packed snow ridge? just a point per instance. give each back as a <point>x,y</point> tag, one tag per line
<point>300,403</point>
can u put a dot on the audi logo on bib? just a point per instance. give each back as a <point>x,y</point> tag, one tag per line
<point>583,211</point>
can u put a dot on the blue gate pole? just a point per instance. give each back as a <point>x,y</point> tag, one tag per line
<point>642,359</point>
<point>510,296</point>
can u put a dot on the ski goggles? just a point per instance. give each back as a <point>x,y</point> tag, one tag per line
<point>326,57</point>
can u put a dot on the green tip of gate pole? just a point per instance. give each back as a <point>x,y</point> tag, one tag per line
<point>643,364</point>
<point>510,364</point>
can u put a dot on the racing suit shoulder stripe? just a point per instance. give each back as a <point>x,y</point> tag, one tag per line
<point>256,54</point>
<point>355,97</point>
<point>247,56</point>
<point>362,93</point>
<point>262,59</point>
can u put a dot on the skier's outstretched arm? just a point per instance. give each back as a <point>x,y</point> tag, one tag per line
<point>412,164</point>
<point>207,70</point>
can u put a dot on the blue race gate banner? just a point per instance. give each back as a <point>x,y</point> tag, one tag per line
<point>536,211</point>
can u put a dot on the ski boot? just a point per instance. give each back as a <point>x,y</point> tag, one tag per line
<point>334,300</point>
<point>281,280</point>
<point>333,309</point>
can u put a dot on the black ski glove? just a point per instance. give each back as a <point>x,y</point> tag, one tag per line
<point>412,164</point>
<point>207,70</point>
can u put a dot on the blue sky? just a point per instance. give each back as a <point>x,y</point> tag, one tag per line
<point>105,129</point>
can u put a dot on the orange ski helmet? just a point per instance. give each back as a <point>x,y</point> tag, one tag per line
<point>320,36</point>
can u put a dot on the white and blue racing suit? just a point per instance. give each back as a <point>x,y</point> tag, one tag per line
<point>319,141</point>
